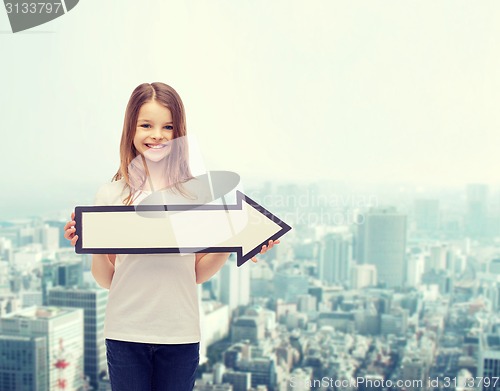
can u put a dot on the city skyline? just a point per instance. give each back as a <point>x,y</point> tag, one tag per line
<point>330,303</point>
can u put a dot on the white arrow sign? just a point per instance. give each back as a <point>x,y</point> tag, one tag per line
<point>242,228</point>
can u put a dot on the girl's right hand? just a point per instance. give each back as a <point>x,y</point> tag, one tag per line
<point>69,230</point>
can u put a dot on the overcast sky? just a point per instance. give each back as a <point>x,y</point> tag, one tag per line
<point>366,91</point>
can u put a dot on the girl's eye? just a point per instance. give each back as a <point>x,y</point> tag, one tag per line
<point>147,126</point>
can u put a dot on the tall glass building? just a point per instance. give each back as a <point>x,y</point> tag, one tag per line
<point>93,302</point>
<point>47,345</point>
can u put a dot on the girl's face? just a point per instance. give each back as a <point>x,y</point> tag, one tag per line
<point>154,131</point>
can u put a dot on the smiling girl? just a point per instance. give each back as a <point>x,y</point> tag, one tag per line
<point>152,325</point>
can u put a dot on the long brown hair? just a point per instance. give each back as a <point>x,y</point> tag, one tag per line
<point>177,163</point>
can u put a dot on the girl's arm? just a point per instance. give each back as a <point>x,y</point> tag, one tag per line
<point>206,265</point>
<point>103,269</point>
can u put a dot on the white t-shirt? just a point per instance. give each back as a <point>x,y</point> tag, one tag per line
<point>153,297</point>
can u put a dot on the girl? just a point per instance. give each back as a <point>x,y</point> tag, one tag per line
<point>152,329</point>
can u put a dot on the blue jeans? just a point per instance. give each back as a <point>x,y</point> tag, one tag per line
<point>136,366</point>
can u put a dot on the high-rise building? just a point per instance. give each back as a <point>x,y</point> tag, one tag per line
<point>48,236</point>
<point>62,328</point>
<point>234,284</point>
<point>415,370</point>
<point>60,228</point>
<point>488,365</point>
<point>93,302</point>
<point>476,218</point>
<point>251,328</point>
<point>4,278</point>
<point>238,351</point>
<point>437,257</point>
<point>395,322</point>
<point>307,303</point>
<point>336,257</point>
<point>363,276</point>
<point>415,270</point>
<point>6,252</point>
<point>24,363</point>
<point>65,274</point>
<point>383,244</point>
<point>31,298</point>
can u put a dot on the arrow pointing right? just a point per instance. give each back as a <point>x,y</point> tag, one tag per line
<point>242,228</point>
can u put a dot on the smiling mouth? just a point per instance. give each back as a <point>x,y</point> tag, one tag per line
<point>156,146</point>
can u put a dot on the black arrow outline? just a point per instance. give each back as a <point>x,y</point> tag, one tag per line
<point>240,257</point>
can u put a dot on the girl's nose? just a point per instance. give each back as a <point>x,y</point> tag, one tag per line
<point>156,134</point>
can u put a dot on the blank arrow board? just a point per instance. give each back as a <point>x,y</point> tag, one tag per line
<point>242,228</point>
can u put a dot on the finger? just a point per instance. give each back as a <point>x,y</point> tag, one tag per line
<point>254,259</point>
<point>74,240</point>
<point>264,249</point>
<point>69,224</point>
<point>72,215</point>
<point>68,234</point>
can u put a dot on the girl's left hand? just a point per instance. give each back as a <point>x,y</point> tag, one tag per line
<point>265,248</point>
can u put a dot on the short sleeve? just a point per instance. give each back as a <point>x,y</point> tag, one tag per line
<point>102,196</point>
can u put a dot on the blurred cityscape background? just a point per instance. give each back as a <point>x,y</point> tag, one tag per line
<point>377,287</point>
<point>376,125</point>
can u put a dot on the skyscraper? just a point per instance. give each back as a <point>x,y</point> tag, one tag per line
<point>62,329</point>
<point>384,244</point>
<point>488,365</point>
<point>249,328</point>
<point>415,370</point>
<point>415,270</point>
<point>93,302</point>
<point>476,218</point>
<point>234,284</point>
<point>32,353</point>
<point>66,274</point>
<point>336,257</point>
